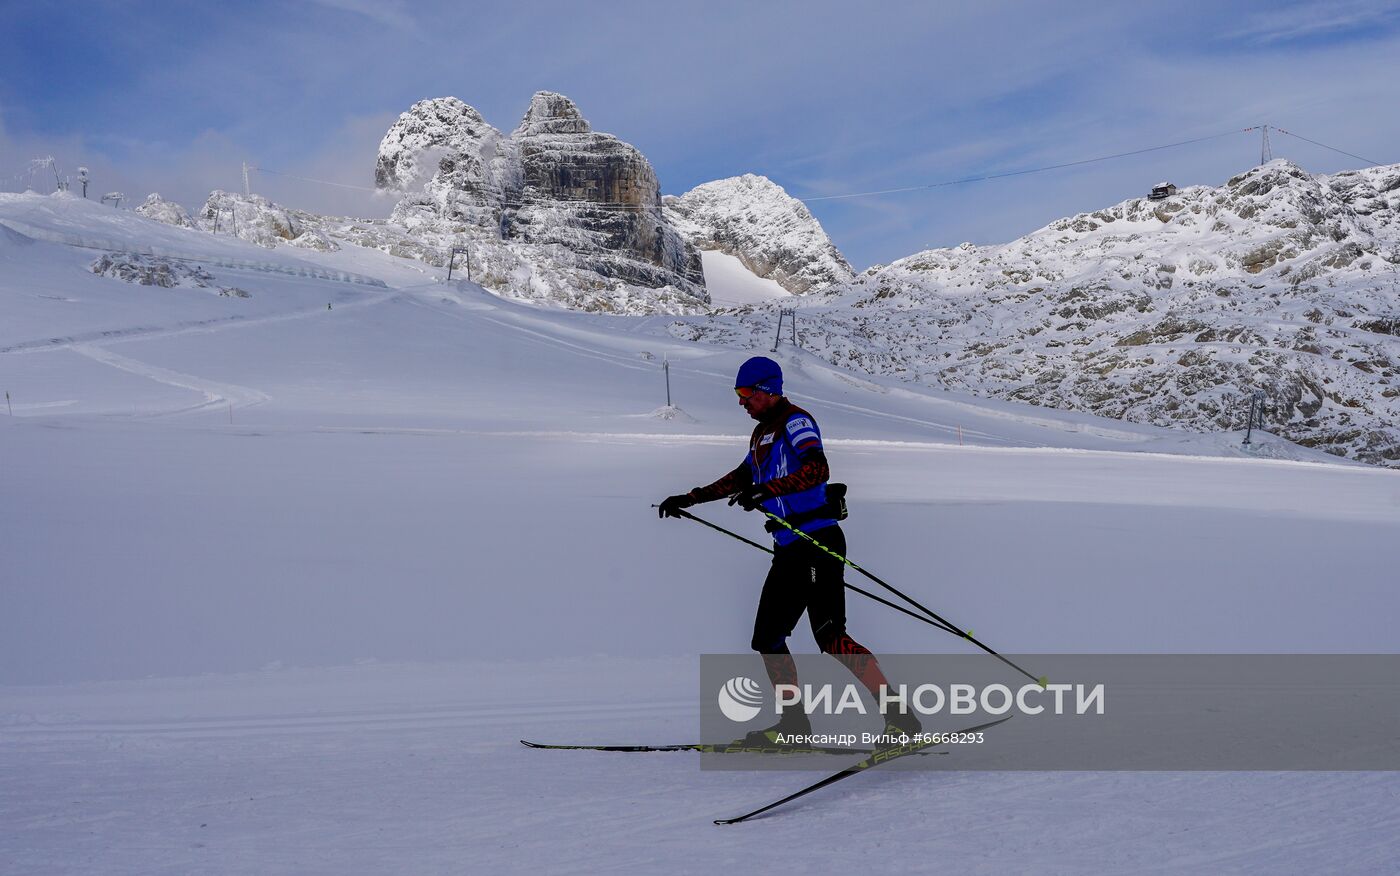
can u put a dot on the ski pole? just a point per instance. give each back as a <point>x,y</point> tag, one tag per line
<point>915,615</point>
<point>947,625</point>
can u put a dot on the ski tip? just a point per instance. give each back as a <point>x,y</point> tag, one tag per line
<point>728,820</point>
<point>529,744</point>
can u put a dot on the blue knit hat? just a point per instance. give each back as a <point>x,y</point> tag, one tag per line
<point>760,372</point>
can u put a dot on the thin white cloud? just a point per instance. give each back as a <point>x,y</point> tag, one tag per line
<point>1312,19</point>
<point>393,13</point>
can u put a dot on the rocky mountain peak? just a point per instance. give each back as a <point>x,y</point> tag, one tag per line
<point>551,113</point>
<point>586,202</point>
<point>772,233</point>
<point>443,123</point>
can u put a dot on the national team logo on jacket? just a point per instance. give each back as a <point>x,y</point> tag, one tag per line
<point>802,432</point>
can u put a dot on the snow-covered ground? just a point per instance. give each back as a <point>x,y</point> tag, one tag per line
<point>730,284</point>
<point>286,577</point>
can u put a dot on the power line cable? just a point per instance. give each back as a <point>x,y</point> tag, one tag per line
<point>309,179</point>
<point>615,205</point>
<point>1368,161</point>
<point>992,176</point>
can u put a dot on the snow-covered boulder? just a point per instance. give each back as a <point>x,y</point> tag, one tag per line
<point>158,208</point>
<point>317,240</point>
<point>249,217</point>
<point>772,233</point>
<point>167,273</point>
<point>258,220</point>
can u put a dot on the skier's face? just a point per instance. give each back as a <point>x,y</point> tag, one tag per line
<point>758,403</point>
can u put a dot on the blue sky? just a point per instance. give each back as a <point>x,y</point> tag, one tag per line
<point>824,98</point>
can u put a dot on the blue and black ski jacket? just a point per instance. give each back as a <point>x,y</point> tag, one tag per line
<point>786,456</point>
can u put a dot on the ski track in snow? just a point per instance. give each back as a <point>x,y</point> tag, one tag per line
<point>450,790</point>
<point>543,337</point>
<point>141,333</point>
<point>215,394</point>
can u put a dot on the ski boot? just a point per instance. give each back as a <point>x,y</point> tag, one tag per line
<point>900,724</point>
<point>791,723</point>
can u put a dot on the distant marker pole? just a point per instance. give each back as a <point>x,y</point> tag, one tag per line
<point>8,406</point>
<point>960,435</point>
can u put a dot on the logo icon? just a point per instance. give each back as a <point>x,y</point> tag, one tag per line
<point>740,699</point>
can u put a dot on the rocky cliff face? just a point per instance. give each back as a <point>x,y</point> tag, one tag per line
<point>1169,312</point>
<point>773,234</point>
<point>566,196</point>
<point>595,195</point>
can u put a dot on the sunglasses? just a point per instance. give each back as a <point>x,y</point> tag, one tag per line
<point>746,391</point>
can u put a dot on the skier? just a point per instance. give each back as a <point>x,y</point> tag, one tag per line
<point>785,473</point>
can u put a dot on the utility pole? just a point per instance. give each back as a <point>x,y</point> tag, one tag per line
<point>453,257</point>
<point>247,192</point>
<point>777,338</point>
<point>1256,401</point>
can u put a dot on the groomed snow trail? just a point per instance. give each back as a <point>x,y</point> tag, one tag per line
<point>308,641</point>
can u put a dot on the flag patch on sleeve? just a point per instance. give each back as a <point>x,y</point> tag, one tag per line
<point>803,432</point>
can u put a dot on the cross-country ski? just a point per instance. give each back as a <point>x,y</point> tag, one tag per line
<point>874,760</point>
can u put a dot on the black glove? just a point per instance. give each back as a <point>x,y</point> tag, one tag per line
<point>671,506</point>
<point>751,497</point>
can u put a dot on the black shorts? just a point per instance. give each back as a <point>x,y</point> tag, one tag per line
<point>803,578</point>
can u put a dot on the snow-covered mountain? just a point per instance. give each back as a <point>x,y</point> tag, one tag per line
<point>753,219</point>
<point>553,213</point>
<point>581,206</point>
<point>1171,312</point>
